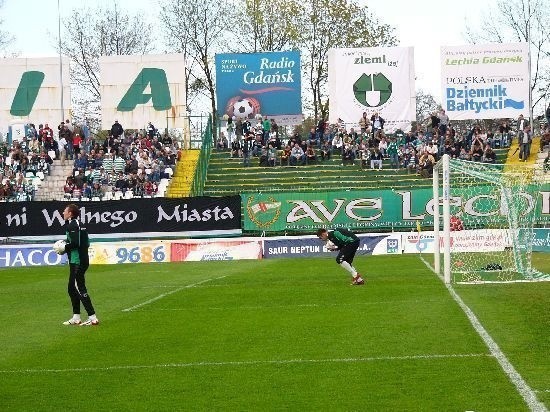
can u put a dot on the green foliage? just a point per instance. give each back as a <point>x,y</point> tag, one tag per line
<point>277,334</point>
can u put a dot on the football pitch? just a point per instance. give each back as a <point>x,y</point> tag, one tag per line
<point>277,334</point>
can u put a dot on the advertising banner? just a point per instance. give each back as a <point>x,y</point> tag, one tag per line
<point>541,240</point>
<point>30,90</point>
<point>139,89</point>
<point>29,255</point>
<point>114,253</point>
<point>485,81</point>
<point>260,83</point>
<point>489,240</point>
<point>157,217</point>
<point>291,247</point>
<point>372,80</point>
<point>193,250</point>
<point>374,209</point>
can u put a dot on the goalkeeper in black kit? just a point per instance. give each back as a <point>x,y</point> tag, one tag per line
<point>346,243</point>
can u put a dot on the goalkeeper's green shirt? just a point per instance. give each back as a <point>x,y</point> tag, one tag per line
<point>73,241</point>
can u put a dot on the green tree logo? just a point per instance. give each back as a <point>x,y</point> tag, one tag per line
<point>372,90</point>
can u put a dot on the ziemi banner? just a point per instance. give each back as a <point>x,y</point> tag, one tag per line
<point>485,81</point>
<point>157,217</point>
<point>372,80</point>
<point>260,83</point>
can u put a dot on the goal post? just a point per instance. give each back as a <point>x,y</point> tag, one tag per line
<point>484,218</point>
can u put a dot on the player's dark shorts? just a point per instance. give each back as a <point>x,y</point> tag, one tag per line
<point>347,253</point>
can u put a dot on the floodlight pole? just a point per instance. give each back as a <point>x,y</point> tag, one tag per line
<point>529,66</point>
<point>60,60</point>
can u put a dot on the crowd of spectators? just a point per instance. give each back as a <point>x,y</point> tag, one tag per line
<point>416,151</point>
<point>129,163</point>
<point>126,161</point>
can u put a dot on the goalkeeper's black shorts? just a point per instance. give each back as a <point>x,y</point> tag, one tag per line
<point>347,253</point>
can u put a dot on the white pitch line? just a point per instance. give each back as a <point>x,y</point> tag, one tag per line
<point>131,308</point>
<point>251,363</point>
<point>305,305</point>
<point>526,392</point>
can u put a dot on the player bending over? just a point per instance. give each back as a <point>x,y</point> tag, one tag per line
<point>346,243</point>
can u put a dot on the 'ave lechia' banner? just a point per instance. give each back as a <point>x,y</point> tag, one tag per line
<point>383,209</point>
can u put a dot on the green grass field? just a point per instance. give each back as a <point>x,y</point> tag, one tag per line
<point>287,334</point>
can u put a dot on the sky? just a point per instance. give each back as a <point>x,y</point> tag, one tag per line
<point>424,24</point>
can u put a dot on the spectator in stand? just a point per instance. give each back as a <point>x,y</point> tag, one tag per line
<point>81,162</point>
<point>320,130</point>
<point>285,156</point>
<point>118,164</point>
<point>392,151</point>
<point>271,155</point>
<point>312,138</point>
<point>364,123</point>
<point>376,159</point>
<point>521,124</point>
<point>348,155</point>
<point>426,164</point>
<point>69,186</point>
<point>326,150</point>
<point>116,130</point>
<point>246,150</point>
<point>383,146</point>
<point>131,165</point>
<point>297,155</point>
<point>121,183</point>
<point>266,128</point>
<point>525,144</point>
<point>504,134</point>
<point>108,163</point>
<point>311,157</point>
<point>547,115</point>
<point>476,152</point>
<point>236,148</point>
<point>222,143</point>
<point>433,150</point>
<point>464,155</point>
<point>275,129</point>
<point>77,143</point>
<point>338,143</point>
<point>96,191</point>
<point>86,191</point>
<point>45,162</point>
<point>151,130</point>
<point>489,155</point>
<point>443,122</point>
<point>377,123</point>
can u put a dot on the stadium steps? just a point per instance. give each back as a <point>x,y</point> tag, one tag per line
<point>182,180</point>
<point>513,154</point>
<point>52,186</point>
<point>228,176</point>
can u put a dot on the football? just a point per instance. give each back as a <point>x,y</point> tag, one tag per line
<point>456,224</point>
<point>59,247</point>
<point>330,246</point>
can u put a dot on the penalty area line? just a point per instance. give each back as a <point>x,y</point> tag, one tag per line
<point>251,363</point>
<point>163,295</point>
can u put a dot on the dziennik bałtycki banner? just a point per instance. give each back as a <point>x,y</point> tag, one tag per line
<point>485,81</point>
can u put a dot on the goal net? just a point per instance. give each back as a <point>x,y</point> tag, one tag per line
<point>483,229</point>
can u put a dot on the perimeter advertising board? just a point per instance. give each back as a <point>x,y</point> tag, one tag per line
<point>382,209</point>
<point>373,80</point>
<point>485,81</point>
<point>31,90</point>
<point>260,83</point>
<point>136,90</point>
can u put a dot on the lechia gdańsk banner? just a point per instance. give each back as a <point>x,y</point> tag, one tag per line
<point>372,80</point>
<point>268,84</point>
<point>485,81</point>
<point>136,218</point>
<point>31,90</point>
<point>139,89</point>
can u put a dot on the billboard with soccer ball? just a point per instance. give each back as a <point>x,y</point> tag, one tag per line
<point>266,84</point>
